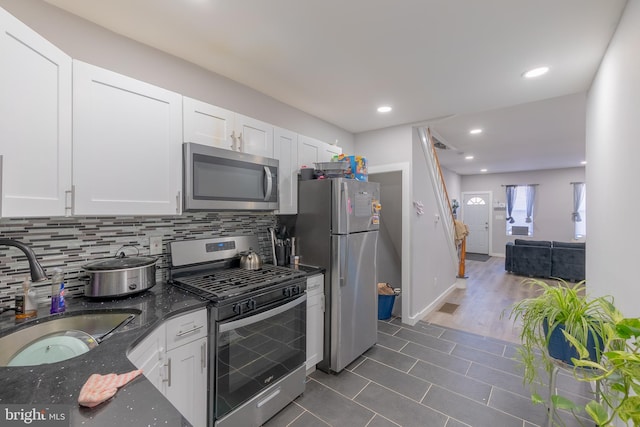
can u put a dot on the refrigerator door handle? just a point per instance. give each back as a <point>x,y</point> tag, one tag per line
<point>342,257</point>
<point>346,207</point>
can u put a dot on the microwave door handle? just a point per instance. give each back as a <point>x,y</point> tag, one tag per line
<point>269,177</point>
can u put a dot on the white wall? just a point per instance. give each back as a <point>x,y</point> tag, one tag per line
<point>385,146</point>
<point>390,236</point>
<point>453,181</point>
<point>433,272</point>
<point>552,209</point>
<point>90,43</point>
<point>613,132</point>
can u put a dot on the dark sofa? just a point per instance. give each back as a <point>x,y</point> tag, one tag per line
<point>542,258</point>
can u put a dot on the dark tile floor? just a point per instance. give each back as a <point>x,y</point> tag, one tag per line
<point>425,376</point>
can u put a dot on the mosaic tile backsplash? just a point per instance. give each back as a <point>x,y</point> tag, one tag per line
<point>70,243</point>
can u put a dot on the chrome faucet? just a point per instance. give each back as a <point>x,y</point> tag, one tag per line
<point>37,272</point>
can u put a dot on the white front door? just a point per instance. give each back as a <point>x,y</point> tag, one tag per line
<point>475,212</point>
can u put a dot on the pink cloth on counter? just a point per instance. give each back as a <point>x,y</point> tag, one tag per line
<point>99,388</point>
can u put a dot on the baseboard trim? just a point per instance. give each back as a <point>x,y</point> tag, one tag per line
<point>412,320</point>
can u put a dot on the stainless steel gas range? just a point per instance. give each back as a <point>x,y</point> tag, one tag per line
<point>257,328</point>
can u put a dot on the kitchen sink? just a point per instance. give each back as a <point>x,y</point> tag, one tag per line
<point>56,338</point>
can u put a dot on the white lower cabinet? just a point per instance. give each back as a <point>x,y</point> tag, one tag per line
<point>148,355</point>
<point>187,384</point>
<point>315,320</point>
<point>174,357</point>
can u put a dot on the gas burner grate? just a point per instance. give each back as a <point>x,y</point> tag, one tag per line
<point>226,283</point>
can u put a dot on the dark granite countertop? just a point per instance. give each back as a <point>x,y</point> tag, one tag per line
<point>137,403</point>
<point>309,269</point>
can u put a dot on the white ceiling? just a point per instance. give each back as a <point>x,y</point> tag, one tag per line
<point>338,60</point>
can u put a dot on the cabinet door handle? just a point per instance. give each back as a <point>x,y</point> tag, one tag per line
<point>203,355</point>
<point>69,198</point>
<point>194,329</point>
<point>233,139</point>
<point>178,203</point>
<point>168,379</point>
<point>240,142</point>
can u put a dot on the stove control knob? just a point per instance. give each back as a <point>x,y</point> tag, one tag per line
<point>251,304</point>
<point>237,308</point>
<point>287,292</point>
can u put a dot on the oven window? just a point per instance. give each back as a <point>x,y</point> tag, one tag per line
<point>251,358</point>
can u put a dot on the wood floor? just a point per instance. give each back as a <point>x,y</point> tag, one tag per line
<point>490,291</point>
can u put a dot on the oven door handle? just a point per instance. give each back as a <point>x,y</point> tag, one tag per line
<point>225,327</point>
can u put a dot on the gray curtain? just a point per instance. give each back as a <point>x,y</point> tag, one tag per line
<point>531,197</point>
<point>578,196</point>
<point>511,198</point>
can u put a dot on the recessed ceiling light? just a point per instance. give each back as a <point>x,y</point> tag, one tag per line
<point>483,170</point>
<point>536,72</point>
<point>584,162</point>
<point>384,109</point>
<point>475,131</point>
<point>468,157</point>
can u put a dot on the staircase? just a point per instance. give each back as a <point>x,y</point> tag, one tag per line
<point>442,198</point>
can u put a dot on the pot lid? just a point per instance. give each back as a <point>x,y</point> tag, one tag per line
<point>119,263</point>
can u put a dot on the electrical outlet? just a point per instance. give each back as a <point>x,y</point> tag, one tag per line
<point>155,245</point>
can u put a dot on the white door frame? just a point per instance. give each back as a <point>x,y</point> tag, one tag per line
<point>490,231</point>
<point>405,261</point>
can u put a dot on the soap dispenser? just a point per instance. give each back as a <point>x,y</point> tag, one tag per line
<point>26,306</point>
<point>57,292</point>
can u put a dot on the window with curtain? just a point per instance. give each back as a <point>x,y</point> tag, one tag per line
<point>579,214</point>
<point>520,209</point>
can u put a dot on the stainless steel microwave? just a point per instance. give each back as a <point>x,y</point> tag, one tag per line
<point>219,179</point>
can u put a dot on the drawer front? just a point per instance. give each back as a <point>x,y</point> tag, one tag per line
<point>186,328</point>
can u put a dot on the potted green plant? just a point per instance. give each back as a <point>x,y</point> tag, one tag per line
<point>617,371</point>
<point>561,314</point>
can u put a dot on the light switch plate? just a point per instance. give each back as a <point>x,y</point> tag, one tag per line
<point>155,245</point>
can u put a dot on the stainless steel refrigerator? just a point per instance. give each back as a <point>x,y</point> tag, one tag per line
<point>337,228</point>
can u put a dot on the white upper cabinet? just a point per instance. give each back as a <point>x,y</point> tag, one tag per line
<point>286,151</point>
<point>312,150</point>
<point>210,125</point>
<point>207,124</point>
<point>127,142</point>
<point>329,151</point>
<point>254,136</point>
<point>35,122</point>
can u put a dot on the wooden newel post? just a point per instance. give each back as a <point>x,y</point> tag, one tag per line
<point>463,254</point>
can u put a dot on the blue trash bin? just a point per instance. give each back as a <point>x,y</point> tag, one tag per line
<point>385,306</point>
